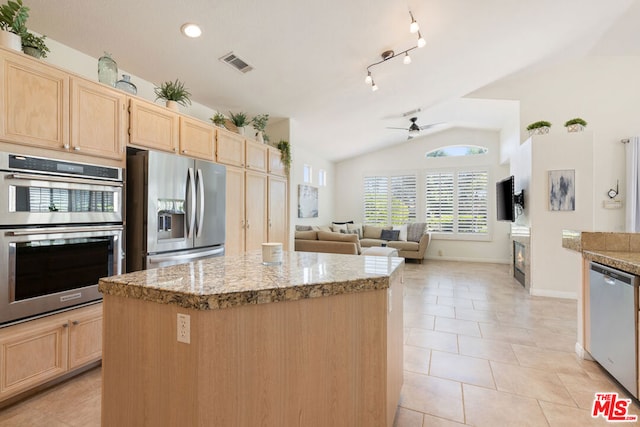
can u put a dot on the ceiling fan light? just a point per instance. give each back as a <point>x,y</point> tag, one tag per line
<point>413,133</point>
<point>374,86</point>
<point>407,59</point>
<point>421,40</point>
<point>413,27</point>
<point>368,80</point>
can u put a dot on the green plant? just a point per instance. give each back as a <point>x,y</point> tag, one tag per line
<point>13,17</point>
<point>218,119</point>
<point>259,122</point>
<point>36,42</point>
<point>285,154</point>
<point>239,119</point>
<point>173,91</point>
<point>540,124</point>
<point>576,121</point>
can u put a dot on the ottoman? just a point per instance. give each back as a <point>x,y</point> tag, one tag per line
<point>380,251</point>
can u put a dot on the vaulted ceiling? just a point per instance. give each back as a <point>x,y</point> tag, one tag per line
<point>310,57</point>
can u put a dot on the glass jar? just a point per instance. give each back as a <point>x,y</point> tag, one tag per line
<point>107,70</point>
<point>126,85</point>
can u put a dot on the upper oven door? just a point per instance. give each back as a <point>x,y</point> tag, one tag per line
<point>34,199</point>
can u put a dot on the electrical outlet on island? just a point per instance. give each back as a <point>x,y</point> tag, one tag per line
<point>184,328</point>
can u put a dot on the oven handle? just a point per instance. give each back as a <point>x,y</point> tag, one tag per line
<point>26,176</point>
<point>32,231</point>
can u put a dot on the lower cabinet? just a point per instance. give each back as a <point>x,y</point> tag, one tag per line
<point>40,350</point>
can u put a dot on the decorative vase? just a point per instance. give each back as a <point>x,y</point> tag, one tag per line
<point>575,128</point>
<point>32,51</point>
<point>172,105</point>
<point>126,85</point>
<point>539,131</point>
<point>10,40</point>
<point>241,130</point>
<point>260,136</point>
<point>107,70</point>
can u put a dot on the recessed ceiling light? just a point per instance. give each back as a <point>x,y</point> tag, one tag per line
<point>191,30</point>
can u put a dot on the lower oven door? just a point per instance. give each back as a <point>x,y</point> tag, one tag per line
<point>49,269</point>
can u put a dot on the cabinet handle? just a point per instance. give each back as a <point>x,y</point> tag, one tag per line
<point>76,148</point>
<point>248,224</point>
<point>242,223</point>
<point>65,146</point>
<point>184,151</point>
<point>75,323</point>
<point>65,325</point>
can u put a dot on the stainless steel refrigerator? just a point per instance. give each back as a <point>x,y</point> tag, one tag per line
<point>175,209</point>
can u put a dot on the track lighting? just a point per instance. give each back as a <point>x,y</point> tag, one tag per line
<point>390,54</point>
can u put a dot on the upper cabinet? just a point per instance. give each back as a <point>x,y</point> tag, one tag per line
<point>276,167</point>
<point>97,119</point>
<point>197,139</point>
<point>256,156</point>
<point>34,103</point>
<point>153,126</point>
<point>230,148</point>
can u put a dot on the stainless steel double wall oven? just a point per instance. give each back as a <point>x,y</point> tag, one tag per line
<point>60,231</point>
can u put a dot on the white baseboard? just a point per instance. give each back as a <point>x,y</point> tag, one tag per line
<point>463,259</point>
<point>582,353</point>
<point>553,294</point>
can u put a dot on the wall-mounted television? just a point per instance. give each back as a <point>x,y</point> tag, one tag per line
<point>507,201</point>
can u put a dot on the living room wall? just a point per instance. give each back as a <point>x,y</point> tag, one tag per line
<point>410,156</point>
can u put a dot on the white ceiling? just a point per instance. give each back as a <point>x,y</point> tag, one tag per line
<point>310,57</point>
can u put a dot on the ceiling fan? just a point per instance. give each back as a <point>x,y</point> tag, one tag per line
<point>414,129</point>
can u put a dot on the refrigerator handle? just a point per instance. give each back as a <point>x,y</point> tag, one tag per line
<point>200,195</point>
<point>191,202</point>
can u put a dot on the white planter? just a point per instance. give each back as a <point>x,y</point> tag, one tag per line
<point>241,130</point>
<point>260,137</point>
<point>539,131</point>
<point>575,128</point>
<point>10,40</point>
<point>172,105</point>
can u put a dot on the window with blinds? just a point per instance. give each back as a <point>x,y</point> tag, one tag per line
<point>456,202</point>
<point>390,199</point>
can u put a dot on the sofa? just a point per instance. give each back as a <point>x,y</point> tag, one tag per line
<point>410,240</point>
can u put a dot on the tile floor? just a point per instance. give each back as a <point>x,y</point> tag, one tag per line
<point>478,351</point>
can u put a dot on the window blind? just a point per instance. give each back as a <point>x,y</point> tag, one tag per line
<point>439,203</point>
<point>472,202</point>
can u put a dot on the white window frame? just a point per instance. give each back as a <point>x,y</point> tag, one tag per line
<point>385,183</point>
<point>307,174</point>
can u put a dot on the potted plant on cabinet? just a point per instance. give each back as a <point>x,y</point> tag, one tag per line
<point>239,120</point>
<point>34,45</point>
<point>259,123</point>
<point>13,19</point>
<point>218,119</point>
<point>575,125</point>
<point>173,93</point>
<point>539,128</point>
<point>285,154</point>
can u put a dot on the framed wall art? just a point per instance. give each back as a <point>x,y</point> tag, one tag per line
<point>307,201</point>
<point>562,190</point>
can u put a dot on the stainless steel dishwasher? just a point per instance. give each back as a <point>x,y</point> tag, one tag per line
<point>613,303</point>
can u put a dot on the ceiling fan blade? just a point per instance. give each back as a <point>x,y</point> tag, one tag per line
<point>430,125</point>
<point>397,128</point>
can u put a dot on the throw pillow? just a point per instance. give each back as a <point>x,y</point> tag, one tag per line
<point>324,228</point>
<point>371,232</point>
<point>403,232</point>
<point>306,235</point>
<point>341,222</point>
<point>337,228</point>
<point>355,227</point>
<point>350,232</point>
<point>303,228</point>
<point>415,231</point>
<point>390,234</point>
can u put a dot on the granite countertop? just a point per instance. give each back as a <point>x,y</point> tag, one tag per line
<point>231,281</point>
<point>617,250</point>
<point>625,261</point>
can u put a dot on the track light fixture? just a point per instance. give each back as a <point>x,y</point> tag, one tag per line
<point>390,54</point>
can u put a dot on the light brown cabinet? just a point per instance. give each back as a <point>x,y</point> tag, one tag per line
<point>40,350</point>
<point>153,126</point>
<point>256,228</point>
<point>256,156</point>
<point>229,148</point>
<point>276,167</point>
<point>197,139</point>
<point>235,221</point>
<point>98,120</point>
<point>277,210</point>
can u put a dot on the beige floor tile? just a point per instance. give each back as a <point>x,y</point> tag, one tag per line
<point>439,292</point>
<point>491,408</point>
<point>583,388</point>
<point>418,320</point>
<point>30,418</point>
<point>417,359</point>
<point>435,396</point>
<point>431,421</point>
<point>434,340</point>
<point>506,333</point>
<point>457,326</point>
<point>487,349</point>
<point>455,302</point>
<point>535,383</point>
<point>465,369</point>
<point>476,315</point>
<point>565,416</point>
<point>551,360</point>
<point>408,418</point>
<point>554,341</point>
<point>417,306</point>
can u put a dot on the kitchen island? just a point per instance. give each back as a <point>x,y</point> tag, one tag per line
<point>315,341</point>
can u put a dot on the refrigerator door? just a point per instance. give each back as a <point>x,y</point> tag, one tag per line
<point>210,195</point>
<point>181,257</point>
<point>171,194</point>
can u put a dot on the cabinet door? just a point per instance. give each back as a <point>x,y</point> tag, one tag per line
<point>32,353</point>
<point>235,222</point>
<point>278,210</point>
<point>153,126</point>
<point>97,119</point>
<point>276,167</point>
<point>256,210</point>
<point>85,336</point>
<point>230,148</point>
<point>256,155</point>
<point>197,139</point>
<point>34,103</point>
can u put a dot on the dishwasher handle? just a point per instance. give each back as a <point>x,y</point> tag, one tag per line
<point>612,274</point>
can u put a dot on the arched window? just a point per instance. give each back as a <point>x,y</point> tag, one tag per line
<point>457,150</point>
